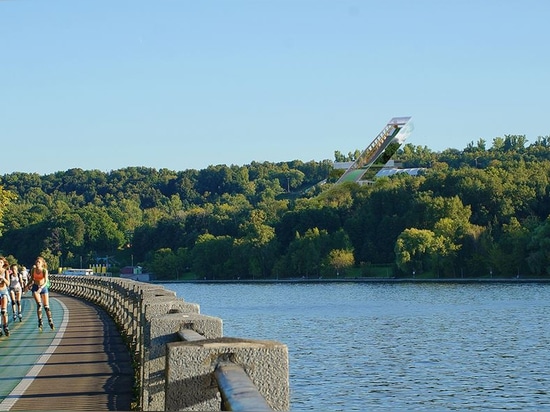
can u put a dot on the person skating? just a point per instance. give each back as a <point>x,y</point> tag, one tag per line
<point>16,291</point>
<point>39,289</point>
<point>4,293</point>
<point>25,278</point>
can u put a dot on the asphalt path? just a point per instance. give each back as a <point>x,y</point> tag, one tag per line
<point>82,365</point>
<point>27,349</point>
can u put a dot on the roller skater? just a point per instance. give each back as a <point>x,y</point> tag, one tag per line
<point>39,289</point>
<point>4,293</point>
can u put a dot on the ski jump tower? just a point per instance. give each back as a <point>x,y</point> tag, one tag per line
<point>379,152</point>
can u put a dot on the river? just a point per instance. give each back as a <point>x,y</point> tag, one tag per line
<point>396,346</point>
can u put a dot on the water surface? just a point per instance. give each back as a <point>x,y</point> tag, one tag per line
<point>361,346</point>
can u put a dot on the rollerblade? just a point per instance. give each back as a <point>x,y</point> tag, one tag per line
<point>6,330</point>
<point>20,317</point>
<point>50,321</point>
<point>40,324</point>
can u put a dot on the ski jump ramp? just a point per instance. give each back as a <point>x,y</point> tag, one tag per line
<point>379,152</point>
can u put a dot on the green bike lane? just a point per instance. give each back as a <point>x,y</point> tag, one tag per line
<point>27,349</point>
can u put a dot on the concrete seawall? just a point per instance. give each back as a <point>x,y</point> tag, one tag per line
<point>179,352</point>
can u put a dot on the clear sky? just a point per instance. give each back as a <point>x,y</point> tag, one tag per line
<point>184,84</point>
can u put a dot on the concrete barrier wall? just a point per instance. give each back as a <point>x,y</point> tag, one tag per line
<point>174,374</point>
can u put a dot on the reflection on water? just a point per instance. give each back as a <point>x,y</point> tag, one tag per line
<point>361,346</point>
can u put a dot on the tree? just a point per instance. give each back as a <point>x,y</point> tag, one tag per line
<point>211,254</point>
<point>337,197</point>
<point>52,259</point>
<point>6,198</point>
<point>102,234</point>
<point>258,236</point>
<point>539,249</point>
<point>512,247</point>
<point>340,259</point>
<point>164,264</point>
<point>413,249</point>
<point>514,142</point>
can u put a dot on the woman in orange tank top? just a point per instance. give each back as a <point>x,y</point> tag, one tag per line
<point>39,289</point>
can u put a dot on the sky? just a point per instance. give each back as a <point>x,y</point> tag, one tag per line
<point>178,84</point>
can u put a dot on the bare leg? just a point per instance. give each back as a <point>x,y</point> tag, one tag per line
<point>4,311</point>
<point>36,296</point>
<point>18,300</point>
<point>46,301</point>
<point>13,304</point>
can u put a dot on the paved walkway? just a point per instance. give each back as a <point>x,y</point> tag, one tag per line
<point>81,365</point>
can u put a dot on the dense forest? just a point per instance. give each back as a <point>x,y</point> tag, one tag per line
<point>478,212</point>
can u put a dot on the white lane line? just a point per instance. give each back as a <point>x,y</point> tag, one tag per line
<point>20,389</point>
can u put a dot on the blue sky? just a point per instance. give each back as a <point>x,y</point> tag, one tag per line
<point>105,84</point>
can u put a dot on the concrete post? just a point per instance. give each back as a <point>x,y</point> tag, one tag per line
<point>158,331</point>
<point>190,366</point>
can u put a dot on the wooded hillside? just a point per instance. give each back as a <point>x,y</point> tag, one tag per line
<point>474,212</point>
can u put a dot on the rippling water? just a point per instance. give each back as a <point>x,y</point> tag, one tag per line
<point>361,346</point>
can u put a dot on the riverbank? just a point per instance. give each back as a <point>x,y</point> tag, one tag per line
<point>363,280</point>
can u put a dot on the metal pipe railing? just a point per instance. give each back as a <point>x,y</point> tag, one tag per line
<point>237,389</point>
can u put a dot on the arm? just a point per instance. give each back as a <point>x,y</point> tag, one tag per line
<point>4,277</point>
